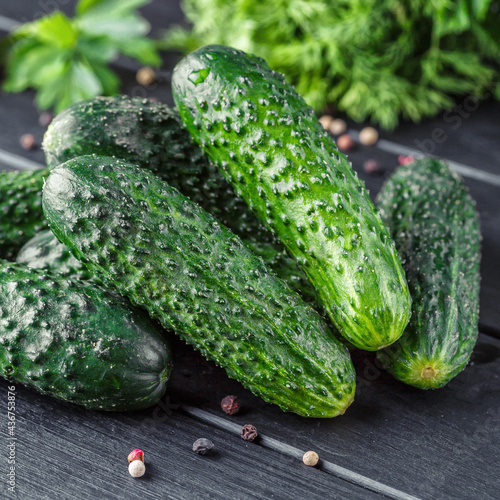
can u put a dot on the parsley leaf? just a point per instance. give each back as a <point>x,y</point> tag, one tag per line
<point>66,60</point>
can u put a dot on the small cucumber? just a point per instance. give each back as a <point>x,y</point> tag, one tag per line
<point>144,132</point>
<point>21,214</point>
<point>435,225</point>
<point>271,147</point>
<point>44,251</point>
<point>77,342</point>
<point>164,252</point>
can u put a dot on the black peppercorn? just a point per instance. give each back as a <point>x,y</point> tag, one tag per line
<point>202,446</point>
<point>230,405</point>
<point>249,432</point>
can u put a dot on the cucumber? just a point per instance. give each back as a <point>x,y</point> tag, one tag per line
<point>77,342</point>
<point>44,251</point>
<point>269,144</point>
<point>21,214</point>
<point>169,256</point>
<point>152,135</point>
<point>141,131</point>
<point>435,225</point>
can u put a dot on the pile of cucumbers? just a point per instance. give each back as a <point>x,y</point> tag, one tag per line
<point>234,221</point>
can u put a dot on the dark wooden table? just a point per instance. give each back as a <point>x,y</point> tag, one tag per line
<point>394,442</point>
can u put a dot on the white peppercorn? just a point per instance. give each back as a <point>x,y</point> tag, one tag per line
<point>337,127</point>
<point>310,458</point>
<point>326,121</point>
<point>136,468</point>
<point>368,136</point>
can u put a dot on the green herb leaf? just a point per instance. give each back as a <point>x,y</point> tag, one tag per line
<point>376,59</point>
<point>109,80</point>
<point>143,50</point>
<point>116,28</point>
<point>65,59</point>
<point>98,49</point>
<point>106,8</point>
<point>56,29</point>
<point>85,81</point>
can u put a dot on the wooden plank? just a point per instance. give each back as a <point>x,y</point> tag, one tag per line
<point>19,116</point>
<point>464,170</point>
<point>24,11</point>
<point>465,134</point>
<point>431,444</point>
<point>285,448</point>
<point>63,451</point>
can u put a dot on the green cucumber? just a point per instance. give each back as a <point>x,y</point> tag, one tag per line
<point>79,343</point>
<point>165,253</point>
<point>44,251</point>
<point>152,135</point>
<point>269,144</point>
<point>143,132</point>
<point>435,225</point>
<point>21,214</point>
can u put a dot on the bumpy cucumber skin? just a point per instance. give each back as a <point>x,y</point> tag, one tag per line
<point>269,144</point>
<point>21,214</point>
<point>45,251</point>
<point>152,135</point>
<point>435,225</point>
<point>191,273</point>
<point>141,131</point>
<point>77,342</point>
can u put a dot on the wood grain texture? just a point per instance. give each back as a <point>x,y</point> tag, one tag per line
<point>64,451</point>
<point>432,444</point>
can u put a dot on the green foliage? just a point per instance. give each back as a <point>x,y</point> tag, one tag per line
<point>66,60</point>
<point>372,59</point>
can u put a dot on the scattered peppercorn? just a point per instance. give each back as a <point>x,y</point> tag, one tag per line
<point>345,142</point>
<point>136,454</point>
<point>337,127</point>
<point>368,136</point>
<point>45,119</point>
<point>405,160</point>
<point>326,121</point>
<point>372,167</point>
<point>310,458</point>
<point>136,468</point>
<point>146,76</point>
<point>249,432</point>
<point>28,142</point>
<point>230,405</point>
<point>202,446</point>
